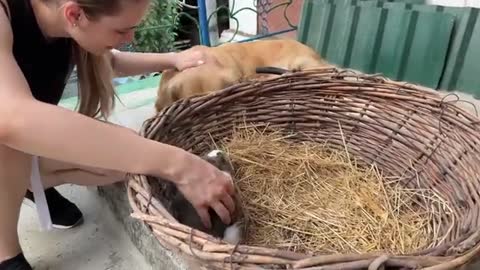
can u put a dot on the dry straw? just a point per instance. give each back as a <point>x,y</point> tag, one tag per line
<point>305,197</point>
<point>412,174</point>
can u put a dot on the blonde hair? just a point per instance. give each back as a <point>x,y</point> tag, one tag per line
<point>96,92</point>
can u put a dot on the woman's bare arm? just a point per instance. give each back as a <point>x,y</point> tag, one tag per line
<point>134,63</point>
<point>50,131</point>
<point>54,132</point>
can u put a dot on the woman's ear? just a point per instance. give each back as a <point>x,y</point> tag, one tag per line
<point>73,13</point>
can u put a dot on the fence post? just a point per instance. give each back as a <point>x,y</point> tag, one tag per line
<point>202,15</point>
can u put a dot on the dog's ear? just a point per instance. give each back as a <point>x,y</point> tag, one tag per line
<point>166,97</point>
<point>165,89</point>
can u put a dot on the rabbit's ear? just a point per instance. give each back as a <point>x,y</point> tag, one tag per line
<point>220,160</point>
<point>214,154</point>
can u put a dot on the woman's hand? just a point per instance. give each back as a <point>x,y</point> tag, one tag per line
<point>134,63</point>
<point>206,186</point>
<point>189,58</point>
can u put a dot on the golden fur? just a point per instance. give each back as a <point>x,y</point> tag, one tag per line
<point>231,63</point>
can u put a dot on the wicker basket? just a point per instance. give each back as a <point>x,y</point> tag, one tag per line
<point>390,123</point>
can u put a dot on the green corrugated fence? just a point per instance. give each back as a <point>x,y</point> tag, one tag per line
<point>405,40</point>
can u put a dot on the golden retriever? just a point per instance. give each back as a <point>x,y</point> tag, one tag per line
<point>231,63</point>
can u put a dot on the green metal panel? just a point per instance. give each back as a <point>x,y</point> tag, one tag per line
<point>315,33</point>
<point>427,45</point>
<point>304,24</point>
<point>379,3</point>
<point>463,55</point>
<point>462,68</point>
<point>391,51</point>
<point>338,31</point>
<point>369,3</point>
<point>393,40</point>
<point>415,1</point>
<point>428,8</point>
<point>364,39</point>
<point>396,5</point>
<point>465,73</point>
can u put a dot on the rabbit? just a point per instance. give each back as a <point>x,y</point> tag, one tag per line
<point>183,211</point>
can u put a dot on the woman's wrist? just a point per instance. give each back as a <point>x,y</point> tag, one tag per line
<point>169,163</point>
<point>171,59</point>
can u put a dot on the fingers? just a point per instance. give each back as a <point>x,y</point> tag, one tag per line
<point>204,216</point>
<point>230,187</point>
<point>229,203</point>
<point>222,212</point>
<point>226,205</point>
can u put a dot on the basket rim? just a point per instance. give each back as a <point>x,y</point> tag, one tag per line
<point>205,99</point>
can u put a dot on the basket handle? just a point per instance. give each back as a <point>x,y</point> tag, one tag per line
<point>271,70</point>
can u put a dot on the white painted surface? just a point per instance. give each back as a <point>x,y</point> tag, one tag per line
<point>211,5</point>
<point>247,18</point>
<point>455,3</point>
<point>230,36</point>
<point>473,3</point>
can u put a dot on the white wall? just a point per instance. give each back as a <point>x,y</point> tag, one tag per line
<point>247,21</point>
<point>247,18</point>
<point>455,3</point>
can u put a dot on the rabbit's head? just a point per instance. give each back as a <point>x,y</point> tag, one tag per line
<point>219,159</point>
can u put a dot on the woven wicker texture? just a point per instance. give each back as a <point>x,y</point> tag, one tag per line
<point>404,129</point>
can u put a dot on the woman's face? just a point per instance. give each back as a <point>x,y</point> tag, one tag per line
<point>106,32</point>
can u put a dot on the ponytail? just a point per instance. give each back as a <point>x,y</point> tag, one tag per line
<point>96,95</point>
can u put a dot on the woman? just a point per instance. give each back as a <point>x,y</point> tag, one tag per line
<point>40,40</point>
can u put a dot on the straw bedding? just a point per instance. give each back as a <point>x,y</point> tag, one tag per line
<point>306,197</point>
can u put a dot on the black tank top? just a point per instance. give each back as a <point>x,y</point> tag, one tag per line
<point>46,64</point>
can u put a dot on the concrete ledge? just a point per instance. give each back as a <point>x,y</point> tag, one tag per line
<point>139,233</point>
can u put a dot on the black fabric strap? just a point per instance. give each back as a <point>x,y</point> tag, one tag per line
<point>16,263</point>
